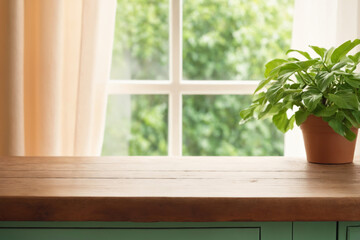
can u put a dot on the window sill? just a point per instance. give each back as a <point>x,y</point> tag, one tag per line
<point>187,189</point>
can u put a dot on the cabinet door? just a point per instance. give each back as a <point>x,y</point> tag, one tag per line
<point>349,231</point>
<point>130,234</point>
<point>314,231</point>
<point>353,233</point>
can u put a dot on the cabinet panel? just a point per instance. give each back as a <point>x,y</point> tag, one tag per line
<point>130,234</point>
<point>353,233</point>
<point>146,231</point>
<point>314,231</point>
<point>349,231</point>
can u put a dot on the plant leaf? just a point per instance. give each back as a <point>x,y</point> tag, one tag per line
<point>340,64</point>
<point>323,80</point>
<point>295,86</point>
<point>246,114</point>
<point>299,79</point>
<point>271,65</point>
<point>349,135</point>
<point>344,100</point>
<point>355,58</point>
<point>270,110</point>
<point>301,116</point>
<point>305,54</point>
<point>350,118</point>
<point>340,115</point>
<point>282,78</point>
<point>258,98</point>
<point>337,126</point>
<point>311,98</point>
<point>289,68</point>
<point>356,115</point>
<point>274,93</point>
<point>327,55</point>
<point>282,122</point>
<point>352,81</point>
<point>292,59</point>
<point>326,111</point>
<point>343,49</point>
<point>320,51</point>
<point>262,84</point>
<point>306,64</point>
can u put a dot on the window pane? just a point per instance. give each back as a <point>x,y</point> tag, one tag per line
<point>233,39</point>
<point>140,50</point>
<point>136,125</point>
<point>211,127</point>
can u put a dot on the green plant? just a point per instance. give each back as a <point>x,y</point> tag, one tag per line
<point>325,86</point>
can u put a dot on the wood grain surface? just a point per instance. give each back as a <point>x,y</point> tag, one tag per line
<point>177,189</point>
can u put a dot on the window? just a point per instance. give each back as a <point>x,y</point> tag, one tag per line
<point>183,70</point>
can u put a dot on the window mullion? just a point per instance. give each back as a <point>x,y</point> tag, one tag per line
<point>218,87</point>
<point>175,98</point>
<point>204,87</point>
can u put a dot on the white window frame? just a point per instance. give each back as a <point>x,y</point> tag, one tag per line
<point>175,87</point>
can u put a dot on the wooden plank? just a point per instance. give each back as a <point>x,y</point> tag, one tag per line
<point>154,209</point>
<point>177,189</point>
<point>152,163</point>
<point>276,188</point>
<point>175,174</point>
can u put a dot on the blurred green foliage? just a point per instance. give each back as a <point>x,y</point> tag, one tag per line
<point>136,125</point>
<point>211,127</point>
<point>233,39</point>
<point>150,125</point>
<point>141,43</point>
<point>222,40</point>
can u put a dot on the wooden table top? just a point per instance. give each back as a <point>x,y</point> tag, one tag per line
<point>177,189</point>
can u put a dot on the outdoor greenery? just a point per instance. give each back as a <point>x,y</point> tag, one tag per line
<point>216,121</point>
<point>222,40</point>
<point>325,86</point>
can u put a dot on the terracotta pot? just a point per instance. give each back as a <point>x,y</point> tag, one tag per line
<point>323,145</point>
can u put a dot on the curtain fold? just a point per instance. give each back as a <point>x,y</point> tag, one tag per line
<point>54,63</point>
<point>324,23</point>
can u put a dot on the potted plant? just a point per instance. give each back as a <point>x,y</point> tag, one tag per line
<point>320,94</point>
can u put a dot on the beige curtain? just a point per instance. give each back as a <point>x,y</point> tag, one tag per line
<point>54,63</point>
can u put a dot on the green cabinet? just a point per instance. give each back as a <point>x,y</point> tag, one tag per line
<point>353,233</point>
<point>148,231</point>
<point>349,231</point>
<point>315,231</point>
<point>180,231</point>
<point>131,234</point>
